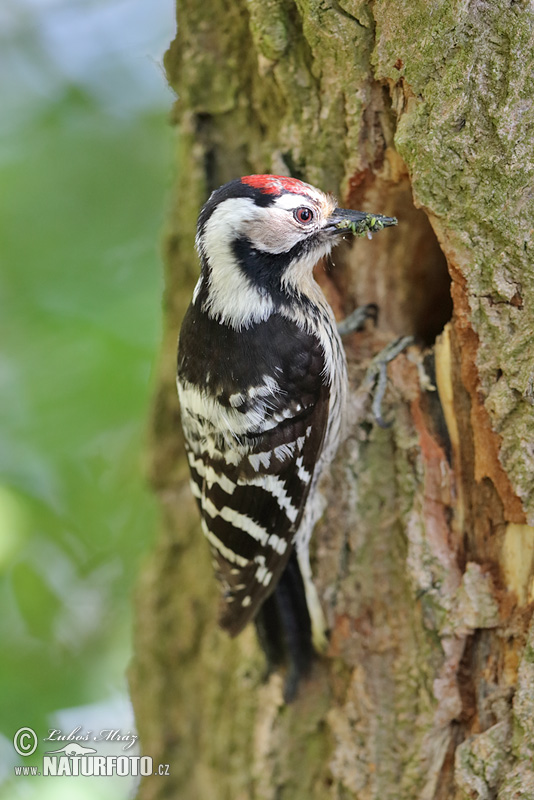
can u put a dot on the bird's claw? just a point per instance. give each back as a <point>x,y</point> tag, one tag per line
<point>357,319</point>
<point>377,375</point>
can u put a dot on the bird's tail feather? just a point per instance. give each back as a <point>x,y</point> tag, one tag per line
<point>284,628</point>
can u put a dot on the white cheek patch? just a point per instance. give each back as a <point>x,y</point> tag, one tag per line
<point>231,298</point>
<point>275,232</point>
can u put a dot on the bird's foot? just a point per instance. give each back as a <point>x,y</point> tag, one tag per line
<point>357,319</point>
<point>377,374</point>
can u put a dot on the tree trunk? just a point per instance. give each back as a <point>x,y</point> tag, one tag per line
<point>424,556</point>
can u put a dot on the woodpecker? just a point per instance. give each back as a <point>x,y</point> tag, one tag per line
<point>262,382</point>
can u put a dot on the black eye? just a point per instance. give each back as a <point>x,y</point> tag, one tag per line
<point>303,214</point>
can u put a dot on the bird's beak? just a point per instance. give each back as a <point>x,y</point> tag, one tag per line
<point>344,220</point>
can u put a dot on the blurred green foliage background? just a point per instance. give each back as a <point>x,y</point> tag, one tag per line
<point>85,154</point>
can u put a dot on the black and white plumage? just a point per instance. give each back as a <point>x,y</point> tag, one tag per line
<point>261,382</point>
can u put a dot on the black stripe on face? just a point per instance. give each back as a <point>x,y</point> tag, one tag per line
<point>265,270</point>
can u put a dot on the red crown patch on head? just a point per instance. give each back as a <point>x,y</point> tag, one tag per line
<point>276,184</point>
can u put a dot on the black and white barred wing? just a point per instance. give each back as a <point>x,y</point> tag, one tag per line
<point>252,500</point>
<point>252,482</point>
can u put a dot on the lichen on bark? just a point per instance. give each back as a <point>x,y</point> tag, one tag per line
<point>466,137</point>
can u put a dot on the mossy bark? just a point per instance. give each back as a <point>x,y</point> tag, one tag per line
<point>424,556</point>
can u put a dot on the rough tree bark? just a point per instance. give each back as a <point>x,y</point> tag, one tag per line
<point>424,557</point>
